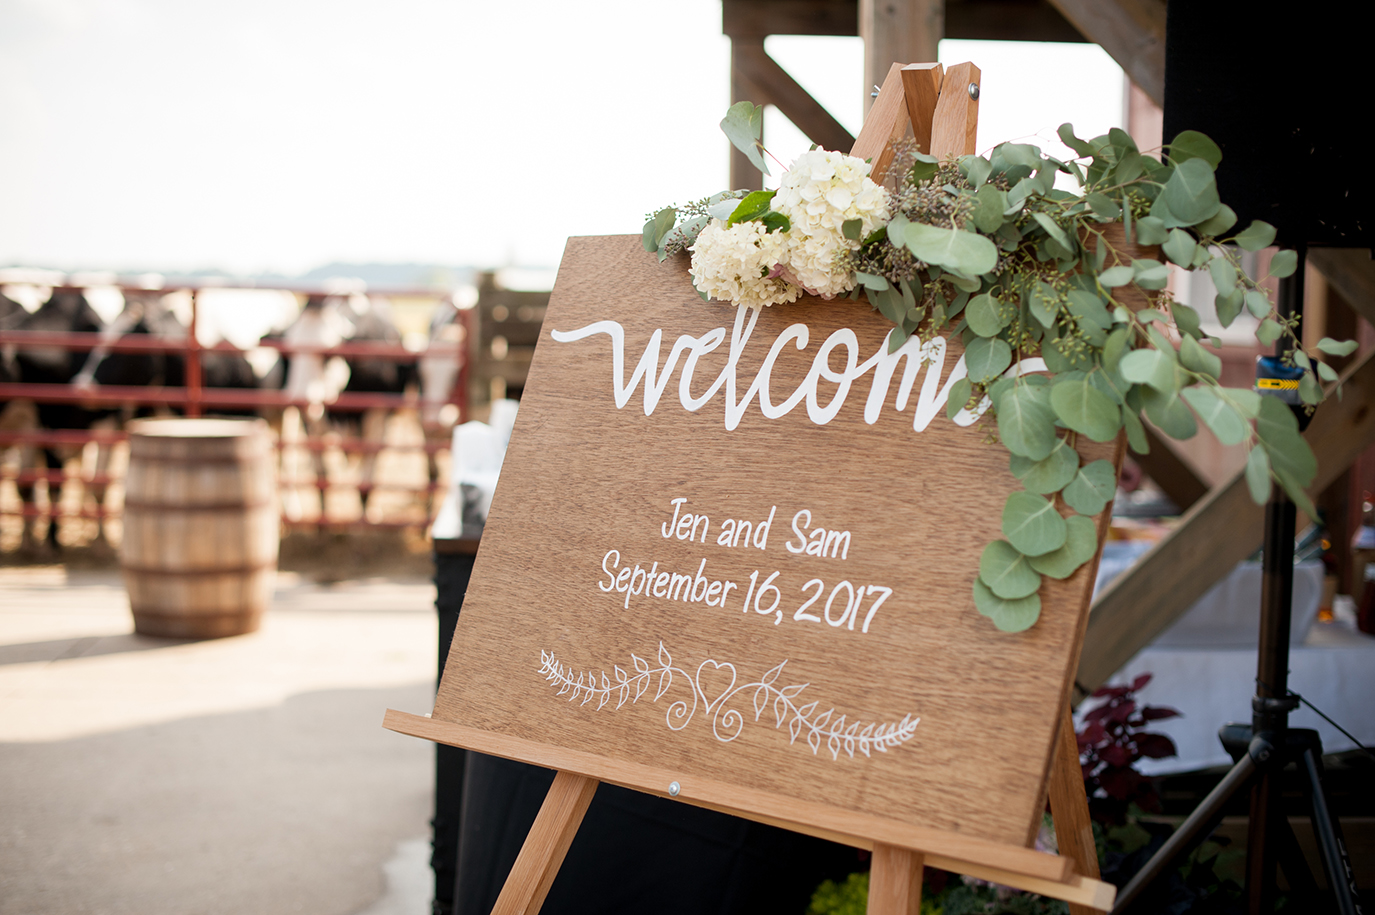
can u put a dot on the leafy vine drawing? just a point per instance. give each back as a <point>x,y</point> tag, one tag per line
<point>726,723</point>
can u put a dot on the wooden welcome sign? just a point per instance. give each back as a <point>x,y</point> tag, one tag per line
<point>730,561</point>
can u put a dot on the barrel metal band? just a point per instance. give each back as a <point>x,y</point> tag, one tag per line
<point>230,570</point>
<point>161,508</point>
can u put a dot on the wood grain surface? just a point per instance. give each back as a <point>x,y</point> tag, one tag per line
<point>583,478</point>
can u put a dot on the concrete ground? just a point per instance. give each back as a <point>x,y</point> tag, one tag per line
<point>241,775</point>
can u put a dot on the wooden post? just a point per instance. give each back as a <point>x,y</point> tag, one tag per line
<point>545,846</point>
<point>894,881</point>
<point>1069,807</point>
<point>910,30</point>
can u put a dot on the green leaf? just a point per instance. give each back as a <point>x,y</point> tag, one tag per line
<point>659,225</point>
<point>869,281</point>
<point>1258,303</point>
<point>1214,226</point>
<point>1197,359</point>
<point>1104,206</point>
<point>743,125</point>
<point>1054,231</point>
<point>1032,525</point>
<point>1179,247</point>
<point>1186,319</point>
<point>985,315</point>
<point>1136,432</point>
<point>1081,542</point>
<point>851,228</point>
<point>986,358</point>
<point>1050,474</point>
<point>1259,234</point>
<point>1008,615</point>
<point>1191,192</point>
<point>1044,303</point>
<point>1223,273</point>
<point>1230,427</point>
<point>1090,308</point>
<point>959,396</point>
<point>1245,400</point>
<point>1258,475</point>
<point>775,222</point>
<point>1151,230</point>
<point>1309,389</point>
<point>1327,372</point>
<point>1169,414</point>
<point>1290,457</point>
<point>1026,422</point>
<point>1113,277</point>
<point>1092,488</point>
<point>1080,147</point>
<point>1268,332</point>
<point>1114,348</point>
<point>1086,410</point>
<point>1151,367</point>
<point>1149,273</point>
<point>989,204</point>
<point>1337,347</point>
<point>952,249</point>
<point>924,166</point>
<point>1191,144</point>
<point>752,207</point>
<point>976,169</point>
<point>1284,263</point>
<point>1006,572</point>
<point>1228,307</point>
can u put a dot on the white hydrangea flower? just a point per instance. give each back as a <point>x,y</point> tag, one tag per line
<point>820,193</point>
<point>739,265</point>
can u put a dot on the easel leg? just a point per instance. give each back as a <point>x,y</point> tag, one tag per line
<point>1069,807</point>
<point>895,881</point>
<point>545,846</point>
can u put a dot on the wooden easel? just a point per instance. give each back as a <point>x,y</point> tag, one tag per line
<point>942,110</point>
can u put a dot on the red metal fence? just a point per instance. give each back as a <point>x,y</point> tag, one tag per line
<point>194,399</point>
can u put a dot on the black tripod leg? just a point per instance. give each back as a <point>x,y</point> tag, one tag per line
<point>1291,858</point>
<point>1335,860</point>
<point>1191,832</point>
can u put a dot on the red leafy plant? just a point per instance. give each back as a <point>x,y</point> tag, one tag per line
<point>1111,742</point>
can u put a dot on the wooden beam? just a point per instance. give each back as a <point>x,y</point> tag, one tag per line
<point>757,19</point>
<point>1069,807</point>
<point>552,832</point>
<point>752,62</point>
<point>1352,273</point>
<point>743,174</point>
<point>1218,532</point>
<point>894,881</point>
<point>1131,31</point>
<point>956,121</point>
<point>883,126</point>
<point>895,32</point>
<point>921,91</point>
<point>1007,20</point>
<point>1170,472</point>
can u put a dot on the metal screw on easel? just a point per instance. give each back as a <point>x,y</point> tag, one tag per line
<point>673,789</point>
<point>974,91</point>
<point>874,94</point>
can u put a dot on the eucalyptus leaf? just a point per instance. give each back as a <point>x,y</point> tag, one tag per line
<point>1337,347</point>
<point>1259,234</point>
<point>1115,348</point>
<point>1258,475</point>
<point>1151,367</point>
<point>976,169</point>
<point>1129,167</point>
<point>1228,307</point>
<point>1268,332</point>
<point>1258,303</point>
<point>1086,410</point>
<point>1032,525</point>
<point>659,225</point>
<point>1327,372</point>
<point>743,125</point>
<point>1284,263</point>
<point>869,281</point>
<point>1191,192</point>
<point>1230,427</point>
<point>1310,392</point>
<point>1290,456</point>
<point>986,358</point>
<point>1026,422</point>
<point>1081,542</point>
<point>1113,277</point>
<point>1136,432</point>
<point>1054,231</point>
<point>1197,359</point>
<point>1092,488</point>
<point>1104,206</point>
<point>1223,273</point>
<point>1169,414</point>
<point>1006,572</point>
<point>1050,474</point>
<point>1245,400</point>
<point>1151,231</point>
<point>1044,303</point>
<point>1179,247</point>
<point>959,396</point>
<point>1007,615</point>
<point>1186,319</point>
<point>1066,134</point>
<point>1149,273</point>
<point>1191,144</point>
<point>1301,360</point>
<point>989,204</point>
<point>1215,225</point>
<point>953,249</point>
<point>984,315</point>
<point>924,166</point>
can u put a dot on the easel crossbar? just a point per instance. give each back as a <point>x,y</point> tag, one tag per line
<point>1023,868</point>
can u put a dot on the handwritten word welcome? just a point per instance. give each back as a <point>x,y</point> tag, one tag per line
<point>884,365</point>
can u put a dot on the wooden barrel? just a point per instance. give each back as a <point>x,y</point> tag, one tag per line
<point>201,526</point>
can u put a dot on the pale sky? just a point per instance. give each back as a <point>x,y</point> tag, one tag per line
<point>275,135</point>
